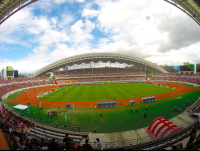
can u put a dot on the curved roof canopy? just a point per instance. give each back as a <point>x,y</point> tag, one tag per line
<point>10,7</point>
<point>97,57</point>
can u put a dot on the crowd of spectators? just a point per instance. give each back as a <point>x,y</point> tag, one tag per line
<point>176,77</point>
<point>12,122</point>
<point>14,130</point>
<point>14,127</point>
<point>99,80</point>
<point>7,86</point>
<point>100,71</point>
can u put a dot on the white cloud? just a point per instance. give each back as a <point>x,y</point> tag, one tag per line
<point>163,39</point>
<point>66,19</point>
<point>90,13</point>
<point>80,31</point>
<point>80,1</point>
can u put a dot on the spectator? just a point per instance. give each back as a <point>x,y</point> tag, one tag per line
<point>99,144</point>
<point>192,136</point>
<point>66,141</point>
<point>87,146</point>
<point>22,147</point>
<point>45,147</point>
<point>73,146</point>
<point>21,134</point>
<point>41,142</point>
<point>29,138</point>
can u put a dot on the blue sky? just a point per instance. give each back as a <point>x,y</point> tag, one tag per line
<point>47,31</point>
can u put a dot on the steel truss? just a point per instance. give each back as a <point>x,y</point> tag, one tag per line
<point>10,7</point>
<point>190,7</point>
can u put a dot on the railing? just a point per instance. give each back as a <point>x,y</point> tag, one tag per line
<point>134,143</point>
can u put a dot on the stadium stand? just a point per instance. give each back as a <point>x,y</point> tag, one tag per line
<point>43,136</point>
<point>176,77</point>
<point>99,74</point>
<point>18,83</point>
<point>52,138</point>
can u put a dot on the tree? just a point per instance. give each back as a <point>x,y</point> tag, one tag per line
<point>198,67</point>
<point>169,68</point>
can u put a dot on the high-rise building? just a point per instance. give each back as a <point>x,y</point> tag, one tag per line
<point>3,73</point>
<point>16,74</point>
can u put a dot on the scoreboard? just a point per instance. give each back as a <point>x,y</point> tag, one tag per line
<point>186,68</point>
<point>10,73</point>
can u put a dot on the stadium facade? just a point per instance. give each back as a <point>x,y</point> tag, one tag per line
<point>138,63</point>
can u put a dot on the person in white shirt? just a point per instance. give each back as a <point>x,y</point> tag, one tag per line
<point>99,144</point>
<point>29,138</point>
<point>45,147</point>
<point>10,130</point>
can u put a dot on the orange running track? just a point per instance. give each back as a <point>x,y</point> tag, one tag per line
<point>29,97</point>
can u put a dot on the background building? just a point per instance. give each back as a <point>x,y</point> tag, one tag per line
<point>9,73</point>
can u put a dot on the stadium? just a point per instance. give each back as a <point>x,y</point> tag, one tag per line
<point>102,95</point>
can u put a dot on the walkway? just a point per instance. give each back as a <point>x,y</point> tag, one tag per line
<point>136,134</point>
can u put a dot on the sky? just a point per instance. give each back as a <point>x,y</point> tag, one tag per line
<point>50,30</point>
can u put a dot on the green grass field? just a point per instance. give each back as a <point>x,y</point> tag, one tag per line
<point>105,92</point>
<point>115,120</point>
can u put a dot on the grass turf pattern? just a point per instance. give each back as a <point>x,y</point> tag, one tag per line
<point>115,120</point>
<point>105,92</point>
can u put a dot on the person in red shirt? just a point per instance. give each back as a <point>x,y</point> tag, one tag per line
<point>21,134</point>
<point>6,126</point>
<point>73,146</point>
<point>67,140</point>
<point>87,146</point>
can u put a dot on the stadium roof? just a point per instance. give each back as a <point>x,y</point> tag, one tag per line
<point>100,57</point>
<point>10,7</point>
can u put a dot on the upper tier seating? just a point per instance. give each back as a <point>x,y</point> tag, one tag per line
<point>99,80</point>
<point>99,72</point>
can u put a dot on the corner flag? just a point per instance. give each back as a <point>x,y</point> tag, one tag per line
<point>40,104</point>
<point>73,108</point>
<point>65,116</point>
<point>29,108</point>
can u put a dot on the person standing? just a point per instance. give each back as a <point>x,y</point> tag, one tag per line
<point>199,127</point>
<point>131,111</point>
<point>147,108</point>
<point>66,141</point>
<point>99,144</point>
<point>192,137</point>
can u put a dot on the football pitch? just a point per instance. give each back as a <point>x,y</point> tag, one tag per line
<point>116,120</point>
<point>105,92</point>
